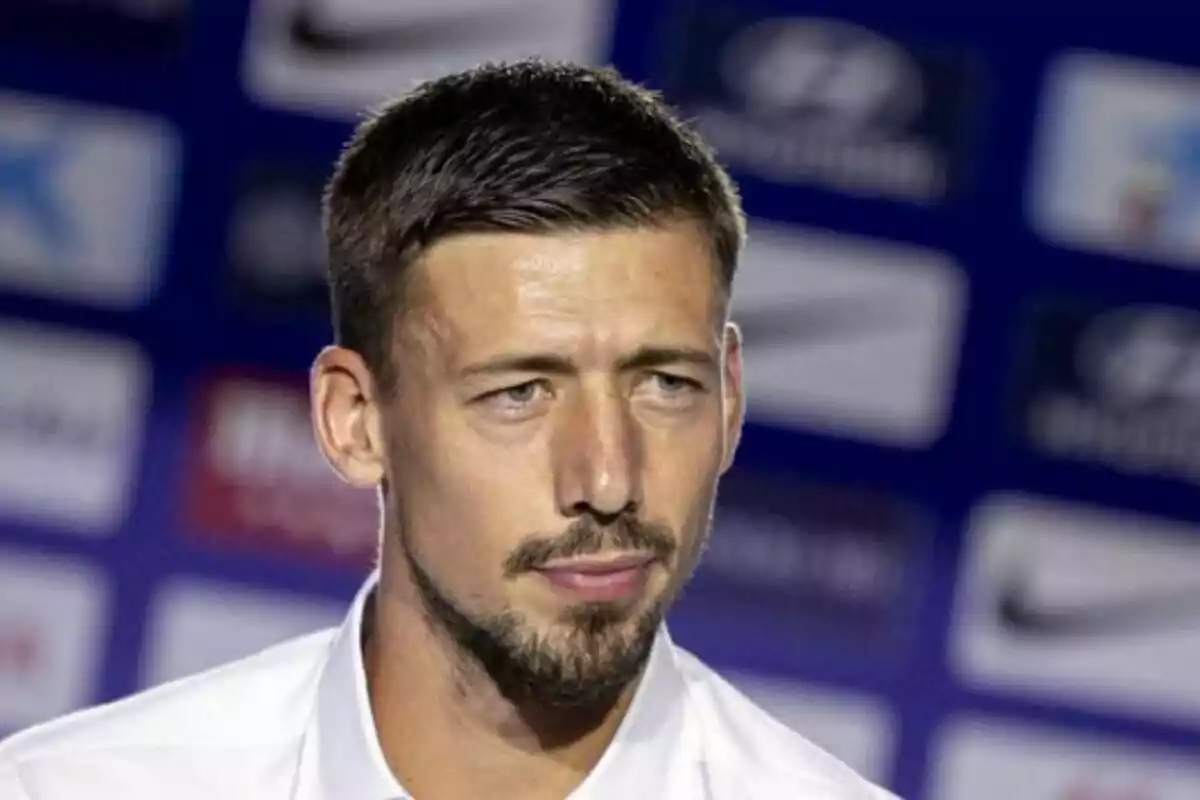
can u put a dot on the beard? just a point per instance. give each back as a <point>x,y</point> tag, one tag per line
<point>583,664</point>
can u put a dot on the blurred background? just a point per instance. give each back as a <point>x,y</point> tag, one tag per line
<point>961,548</point>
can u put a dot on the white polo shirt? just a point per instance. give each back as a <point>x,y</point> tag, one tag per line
<point>294,723</point>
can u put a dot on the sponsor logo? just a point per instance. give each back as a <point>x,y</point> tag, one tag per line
<point>1119,386</point>
<point>855,729</point>
<point>1077,605</point>
<point>1087,788</point>
<point>20,652</point>
<point>198,626</point>
<point>1022,613</point>
<point>824,102</point>
<point>70,430</point>
<point>276,245</point>
<point>1117,163</point>
<point>319,34</point>
<point>258,480</point>
<point>51,624</point>
<point>872,327</point>
<point>841,563</point>
<point>335,57</point>
<point>85,200</point>
<point>986,759</point>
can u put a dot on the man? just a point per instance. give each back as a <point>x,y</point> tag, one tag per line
<point>530,267</point>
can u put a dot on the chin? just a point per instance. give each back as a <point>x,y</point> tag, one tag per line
<point>581,654</point>
<point>607,625</point>
<point>599,615</point>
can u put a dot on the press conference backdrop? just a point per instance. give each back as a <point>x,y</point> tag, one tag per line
<point>961,548</point>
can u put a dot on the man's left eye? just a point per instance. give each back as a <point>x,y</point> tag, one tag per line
<point>673,384</point>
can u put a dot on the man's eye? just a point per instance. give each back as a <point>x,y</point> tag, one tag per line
<point>523,393</point>
<point>675,384</point>
<point>518,395</point>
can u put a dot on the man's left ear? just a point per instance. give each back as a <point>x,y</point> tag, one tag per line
<point>734,393</point>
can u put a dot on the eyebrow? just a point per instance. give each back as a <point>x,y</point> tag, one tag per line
<point>550,363</point>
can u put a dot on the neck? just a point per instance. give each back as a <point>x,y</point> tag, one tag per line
<point>446,730</point>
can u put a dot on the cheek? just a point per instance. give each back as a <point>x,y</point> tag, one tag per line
<point>505,469</point>
<point>687,452</point>
<point>681,476</point>
<point>466,503</point>
<point>458,544</point>
<point>452,462</point>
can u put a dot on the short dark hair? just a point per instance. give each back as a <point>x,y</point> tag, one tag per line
<point>529,146</point>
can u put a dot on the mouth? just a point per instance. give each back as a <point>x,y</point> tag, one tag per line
<point>599,578</point>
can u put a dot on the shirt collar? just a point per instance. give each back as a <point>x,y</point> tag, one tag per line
<point>654,752</point>
<point>341,742</point>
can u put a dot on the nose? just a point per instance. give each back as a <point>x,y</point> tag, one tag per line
<point>598,456</point>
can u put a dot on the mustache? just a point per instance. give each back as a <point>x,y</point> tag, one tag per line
<point>585,537</point>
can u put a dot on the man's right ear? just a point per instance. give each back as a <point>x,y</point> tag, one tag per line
<point>346,416</point>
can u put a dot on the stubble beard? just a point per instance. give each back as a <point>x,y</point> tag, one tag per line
<point>586,661</point>
<point>584,664</point>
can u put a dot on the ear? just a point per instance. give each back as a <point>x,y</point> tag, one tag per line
<point>734,397</point>
<point>346,416</point>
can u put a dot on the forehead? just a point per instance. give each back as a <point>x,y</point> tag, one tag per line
<point>612,288</point>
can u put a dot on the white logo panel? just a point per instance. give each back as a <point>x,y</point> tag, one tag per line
<point>198,625</point>
<point>983,760</point>
<point>850,335</point>
<point>86,194</point>
<point>71,410</point>
<point>53,619</point>
<point>1114,169</point>
<point>1071,603</point>
<point>337,57</point>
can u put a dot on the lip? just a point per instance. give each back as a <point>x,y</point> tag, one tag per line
<point>599,565</point>
<point>600,578</point>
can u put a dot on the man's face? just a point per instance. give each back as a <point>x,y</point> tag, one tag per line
<point>564,406</point>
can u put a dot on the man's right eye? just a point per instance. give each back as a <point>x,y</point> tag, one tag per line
<point>521,393</point>
<point>515,398</point>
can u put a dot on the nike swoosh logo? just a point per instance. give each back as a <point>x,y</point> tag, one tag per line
<point>1022,614</point>
<point>319,37</point>
<point>811,321</point>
